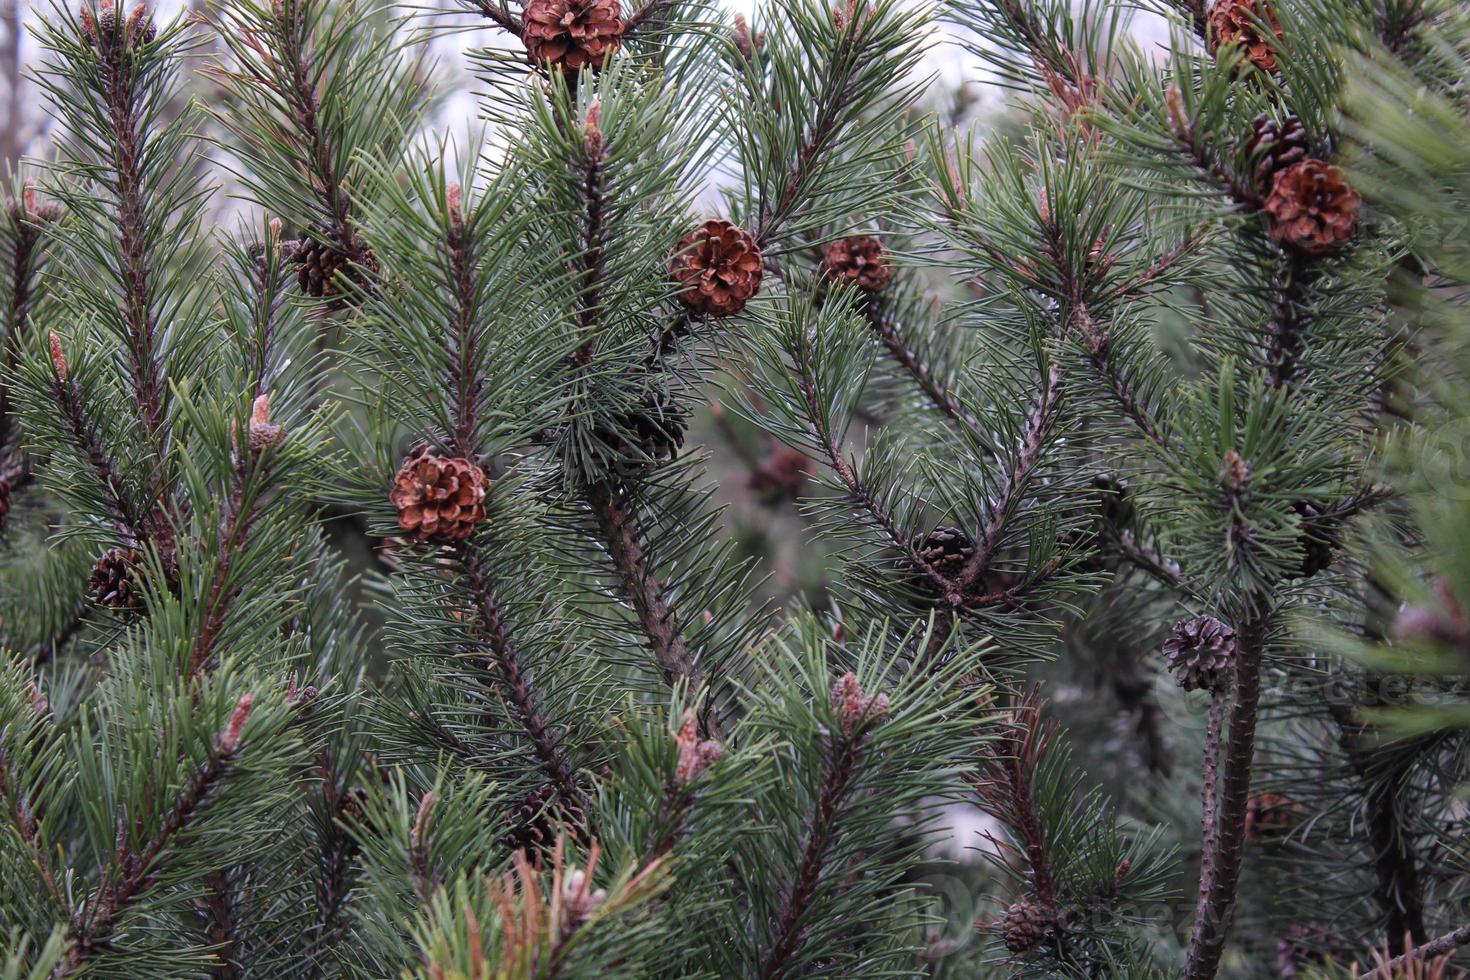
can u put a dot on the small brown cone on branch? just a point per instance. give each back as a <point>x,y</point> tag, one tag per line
<point>114,583</point>
<point>1312,208</point>
<point>1239,22</point>
<point>1026,925</point>
<point>324,270</point>
<point>1269,816</point>
<point>572,34</point>
<point>1274,146</point>
<point>947,550</point>
<point>439,498</point>
<point>653,432</point>
<point>859,260</point>
<point>1201,652</point>
<point>717,267</point>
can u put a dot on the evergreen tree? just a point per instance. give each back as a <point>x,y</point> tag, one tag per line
<point>369,600</point>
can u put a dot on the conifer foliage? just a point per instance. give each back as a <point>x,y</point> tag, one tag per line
<point>371,602</point>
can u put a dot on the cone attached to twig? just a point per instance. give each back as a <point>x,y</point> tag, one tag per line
<point>1274,146</point>
<point>115,582</point>
<point>717,267</point>
<point>439,498</point>
<point>947,550</point>
<point>859,260</point>
<point>1312,208</point>
<point>572,34</point>
<point>1026,925</point>
<point>324,270</point>
<point>1251,24</point>
<point>1201,652</point>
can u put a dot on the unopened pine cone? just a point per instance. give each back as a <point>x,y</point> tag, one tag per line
<point>1238,22</point>
<point>1026,925</point>
<point>947,550</point>
<point>1273,146</point>
<point>114,583</point>
<point>572,34</point>
<point>717,267</point>
<point>653,432</point>
<point>439,498</point>
<point>324,270</point>
<point>1312,208</point>
<point>859,260</point>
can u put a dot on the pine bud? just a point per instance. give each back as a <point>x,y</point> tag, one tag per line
<point>58,358</point>
<point>578,898</point>
<point>745,42</point>
<point>854,708</point>
<point>1235,475</point>
<point>229,739</point>
<point>695,756</point>
<point>421,819</point>
<point>592,129</point>
<point>1179,120</point>
<point>263,434</point>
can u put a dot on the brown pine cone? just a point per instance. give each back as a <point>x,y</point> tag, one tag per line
<point>1201,652</point>
<point>652,433</point>
<point>572,34</point>
<point>1026,925</point>
<point>1317,537</point>
<point>439,498</point>
<point>114,582</point>
<point>324,270</point>
<point>1273,146</point>
<point>860,260</point>
<point>1237,22</point>
<point>1269,816</point>
<point>781,475</point>
<point>947,549</point>
<point>718,268</point>
<point>531,823</point>
<point>1312,208</point>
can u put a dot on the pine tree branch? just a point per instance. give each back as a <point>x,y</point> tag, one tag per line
<point>907,359</point>
<point>619,532</point>
<point>591,258</point>
<point>1216,908</point>
<point>1033,439</point>
<point>242,509</point>
<point>1286,321</point>
<point>23,262</point>
<point>466,383</point>
<point>516,682</point>
<point>337,854</point>
<point>1156,270</point>
<point>23,819</point>
<point>1437,947</point>
<point>857,488</point>
<point>840,764</point>
<point>498,12</point>
<point>218,909</point>
<point>95,921</point>
<point>131,520</point>
<point>1209,799</point>
<point>145,369</point>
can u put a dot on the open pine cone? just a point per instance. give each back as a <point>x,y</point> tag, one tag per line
<point>1312,208</point>
<point>114,583</point>
<point>859,260</point>
<point>1238,22</point>
<point>1201,652</point>
<point>718,267</point>
<point>1026,925</point>
<point>439,498</point>
<point>1273,146</point>
<point>572,34</point>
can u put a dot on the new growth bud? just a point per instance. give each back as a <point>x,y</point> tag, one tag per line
<point>263,434</point>
<point>854,708</point>
<point>58,357</point>
<point>592,129</point>
<point>695,756</point>
<point>229,739</point>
